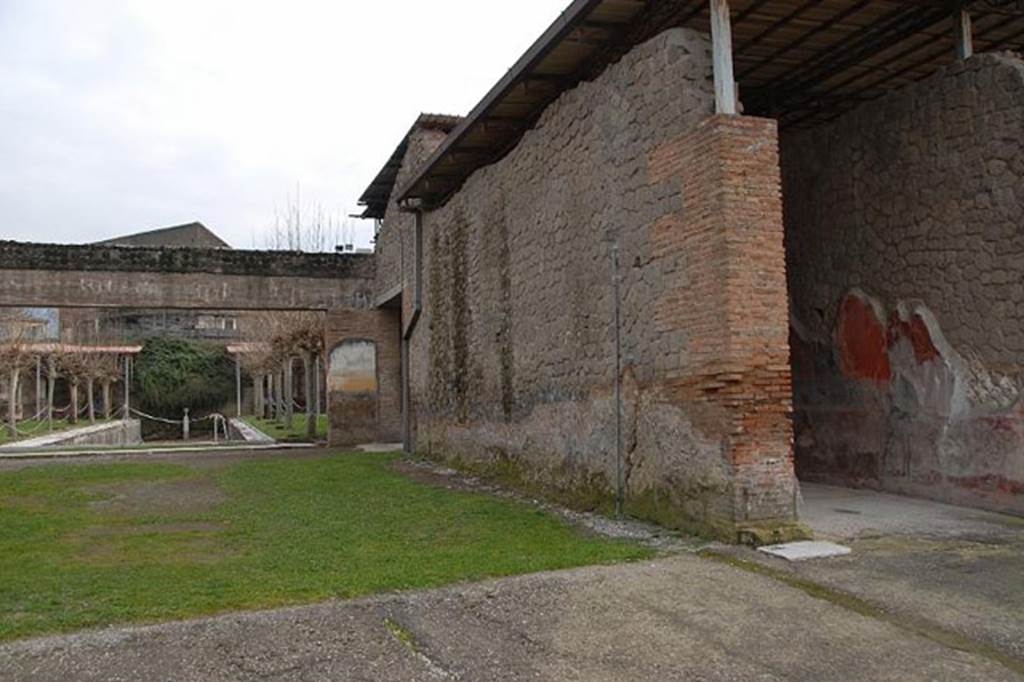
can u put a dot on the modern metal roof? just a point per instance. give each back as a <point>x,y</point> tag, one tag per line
<point>802,62</point>
<point>190,234</point>
<point>378,194</point>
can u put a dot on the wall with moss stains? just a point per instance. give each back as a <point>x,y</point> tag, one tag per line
<point>513,360</point>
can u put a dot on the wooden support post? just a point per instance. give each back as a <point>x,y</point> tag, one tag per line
<point>963,35</point>
<point>721,47</point>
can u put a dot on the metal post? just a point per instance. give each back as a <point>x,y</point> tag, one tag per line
<point>238,385</point>
<point>316,378</point>
<point>39,386</point>
<point>721,46</point>
<point>616,286</point>
<point>406,417</point>
<point>127,387</point>
<point>963,35</point>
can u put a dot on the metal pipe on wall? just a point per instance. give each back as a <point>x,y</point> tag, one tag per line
<point>417,307</point>
<point>617,291</point>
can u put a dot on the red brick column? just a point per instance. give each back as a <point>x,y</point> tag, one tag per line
<point>367,418</point>
<point>730,298</point>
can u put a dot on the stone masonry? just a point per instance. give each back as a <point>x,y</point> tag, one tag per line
<point>513,360</point>
<point>906,255</point>
<point>52,275</point>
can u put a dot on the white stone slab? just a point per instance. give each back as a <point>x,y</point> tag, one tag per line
<point>801,551</point>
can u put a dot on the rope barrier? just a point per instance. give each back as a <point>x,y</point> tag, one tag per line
<point>156,419</point>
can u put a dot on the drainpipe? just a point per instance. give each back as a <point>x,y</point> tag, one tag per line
<point>417,306</point>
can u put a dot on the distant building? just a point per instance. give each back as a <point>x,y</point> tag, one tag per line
<point>136,323</point>
<point>194,235</point>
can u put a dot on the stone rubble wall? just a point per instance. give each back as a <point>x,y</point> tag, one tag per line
<point>395,243</point>
<point>513,361</point>
<point>905,247</point>
<point>96,276</point>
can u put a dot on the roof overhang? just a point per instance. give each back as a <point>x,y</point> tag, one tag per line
<point>802,62</point>
<point>376,197</point>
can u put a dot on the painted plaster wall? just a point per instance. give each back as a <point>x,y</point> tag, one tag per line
<point>905,248</point>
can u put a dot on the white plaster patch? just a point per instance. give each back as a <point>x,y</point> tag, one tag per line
<point>801,551</point>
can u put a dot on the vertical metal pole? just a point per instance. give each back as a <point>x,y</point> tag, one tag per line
<point>39,385</point>
<point>616,286</point>
<point>316,378</point>
<point>721,47</point>
<point>238,385</point>
<point>963,34</point>
<point>406,417</point>
<point>127,389</point>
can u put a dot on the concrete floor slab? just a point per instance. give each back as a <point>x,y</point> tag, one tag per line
<point>844,513</point>
<point>804,551</point>
<point>679,618</point>
<point>938,565</point>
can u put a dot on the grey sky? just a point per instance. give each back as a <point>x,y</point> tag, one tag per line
<point>124,115</point>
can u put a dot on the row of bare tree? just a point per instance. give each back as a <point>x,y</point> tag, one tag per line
<point>76,363</point>
<point>278,339</point>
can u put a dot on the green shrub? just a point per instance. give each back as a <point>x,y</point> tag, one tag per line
<point>172,374</point>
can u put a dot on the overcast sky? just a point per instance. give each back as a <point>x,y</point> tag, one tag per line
<point>118,116</point>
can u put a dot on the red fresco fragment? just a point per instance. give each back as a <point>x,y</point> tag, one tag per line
<point>862,340</point>
<point>916,331</point>
<point>991,483</point>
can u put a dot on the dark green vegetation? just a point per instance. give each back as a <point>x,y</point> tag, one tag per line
<point>174,374</point>
<point>276,430</point>
<point>87,545</point>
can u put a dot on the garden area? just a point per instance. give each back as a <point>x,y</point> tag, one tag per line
<point>85,545</point>
<point>296,432</point>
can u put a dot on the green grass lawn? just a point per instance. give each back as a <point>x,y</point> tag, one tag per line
<point>33,428</point>
<point>297,432</point>
<point>89,545</point>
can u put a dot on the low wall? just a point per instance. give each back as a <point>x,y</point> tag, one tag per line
<point>125,432</point>
<point>242,430</point>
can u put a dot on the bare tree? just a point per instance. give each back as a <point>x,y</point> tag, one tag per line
<point>284,336</point>
<point>309,228</point>
<point>73,367</point>
<point>15,356</point>
<point>52,364</point>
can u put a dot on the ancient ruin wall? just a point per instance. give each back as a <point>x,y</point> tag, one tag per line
<point>905,246</point>
<point>513,362</point>
<point>395,242</point>
<point>90,276</point>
